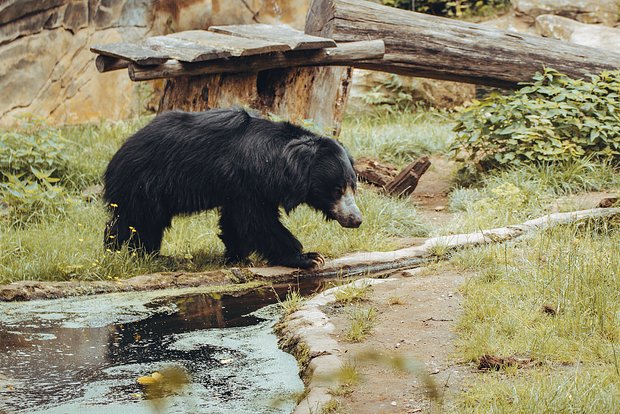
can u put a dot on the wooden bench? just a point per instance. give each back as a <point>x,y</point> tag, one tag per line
<point>257,65</point>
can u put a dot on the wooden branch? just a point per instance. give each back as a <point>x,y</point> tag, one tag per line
<point>434,47</point>
<point>342,55</point>
<point>108,63</point>
<point>407,180</point>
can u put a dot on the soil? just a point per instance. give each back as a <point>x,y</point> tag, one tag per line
<point>431,195</point>
<point>416,317</point>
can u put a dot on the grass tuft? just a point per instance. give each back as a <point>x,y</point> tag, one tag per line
<point>362,322</point>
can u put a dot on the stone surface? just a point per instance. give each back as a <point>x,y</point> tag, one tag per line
<point>47,70</point>
<point>586,11</point>
<point>592,35</point>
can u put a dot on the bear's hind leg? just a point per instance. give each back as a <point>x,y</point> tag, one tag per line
<point>232,235</point>
<point>144,236</point>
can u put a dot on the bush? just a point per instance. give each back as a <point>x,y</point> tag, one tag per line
<point>554,119</point>
<point>32,146</point>
<point>33,200</point>
<point>32,160</point>
<point>451,8</point>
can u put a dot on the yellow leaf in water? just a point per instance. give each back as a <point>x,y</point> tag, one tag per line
<point>148,380</point>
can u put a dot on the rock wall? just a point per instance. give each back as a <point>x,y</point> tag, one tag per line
<point>47,70</point>
<point>585,11</point>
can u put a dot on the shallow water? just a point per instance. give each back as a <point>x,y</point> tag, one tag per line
<point>79,355</point>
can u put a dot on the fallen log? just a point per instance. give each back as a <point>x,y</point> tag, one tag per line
<point>342,55</point>
<point>374,172</point>
<point>407,180</point>
<point>387,177</point>
<point>440,48</point>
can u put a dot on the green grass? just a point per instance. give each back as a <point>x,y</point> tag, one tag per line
<point>68,245</point>
<point>517,195</point>
<point>351,293</point>
<point>574,269</point>
<point>398,137</point>
<point>362,322</point>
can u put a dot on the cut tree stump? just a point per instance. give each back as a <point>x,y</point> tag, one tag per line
<point>434,47</point>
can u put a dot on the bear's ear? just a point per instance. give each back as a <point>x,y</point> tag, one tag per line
<point>298,158</point>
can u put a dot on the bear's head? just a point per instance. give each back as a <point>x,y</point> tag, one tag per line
<point>320,173</point>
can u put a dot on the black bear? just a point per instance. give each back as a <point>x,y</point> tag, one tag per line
<point>182,163</point>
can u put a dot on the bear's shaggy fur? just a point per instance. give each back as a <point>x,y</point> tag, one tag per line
<point>183,163</point>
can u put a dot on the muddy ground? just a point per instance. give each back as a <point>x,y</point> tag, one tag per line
<point>416,316</point>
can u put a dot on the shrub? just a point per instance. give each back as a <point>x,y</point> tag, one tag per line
<point>32,160</point>
<point>553,119</point>
<point>451,8</point>
<point>32,146</point>
<point>33,200</point>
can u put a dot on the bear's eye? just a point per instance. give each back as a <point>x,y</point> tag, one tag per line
<point>338,191</point>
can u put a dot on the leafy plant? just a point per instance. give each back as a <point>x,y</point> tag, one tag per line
<point>31,200</point>
<point>32,147</point>
<point>451,8</point>
<point>554,118</point>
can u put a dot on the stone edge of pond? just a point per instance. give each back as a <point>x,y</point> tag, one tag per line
<point>306,334</point>
<point>356,263</point>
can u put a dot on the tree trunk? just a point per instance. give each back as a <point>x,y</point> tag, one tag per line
<point>435,47</point>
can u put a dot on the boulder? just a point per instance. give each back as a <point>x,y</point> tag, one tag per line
<point>592,35</point>
<point>47,69</point>
<point>585,11</point>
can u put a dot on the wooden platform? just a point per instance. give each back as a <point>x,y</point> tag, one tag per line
<point>181,50</point>
<point>271,69</point>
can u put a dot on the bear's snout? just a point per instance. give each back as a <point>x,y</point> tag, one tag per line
<point>346,211</point>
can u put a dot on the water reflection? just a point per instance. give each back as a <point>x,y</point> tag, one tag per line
<point>48,365</point>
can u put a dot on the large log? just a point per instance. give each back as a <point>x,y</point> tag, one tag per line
<point>342,55</point>
<point>435,47</point>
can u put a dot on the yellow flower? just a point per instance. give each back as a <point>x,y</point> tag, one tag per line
<point>113,205</point>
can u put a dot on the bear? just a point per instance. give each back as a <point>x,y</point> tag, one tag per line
<point>244,165</point>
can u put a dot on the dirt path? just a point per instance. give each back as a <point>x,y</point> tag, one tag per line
<point>416,316</point>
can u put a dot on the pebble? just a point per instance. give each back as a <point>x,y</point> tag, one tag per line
<point>393,403</point>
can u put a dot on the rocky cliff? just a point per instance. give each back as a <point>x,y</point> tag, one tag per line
<point>46,68</point>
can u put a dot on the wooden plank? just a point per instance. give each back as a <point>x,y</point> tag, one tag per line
<point>296,39</point>
<point>138,54</point>
<point>236,46</point>
<point>184,50</point>
<point>342,55</point>
<point>434,47</point>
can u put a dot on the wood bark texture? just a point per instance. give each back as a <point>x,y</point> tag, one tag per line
<point>435,47</point>
<point>407,180</point>
<point>374,172</point>
<point>343,55</point>
<point>296,94</point>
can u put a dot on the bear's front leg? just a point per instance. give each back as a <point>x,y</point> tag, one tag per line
<point>246,229</point>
